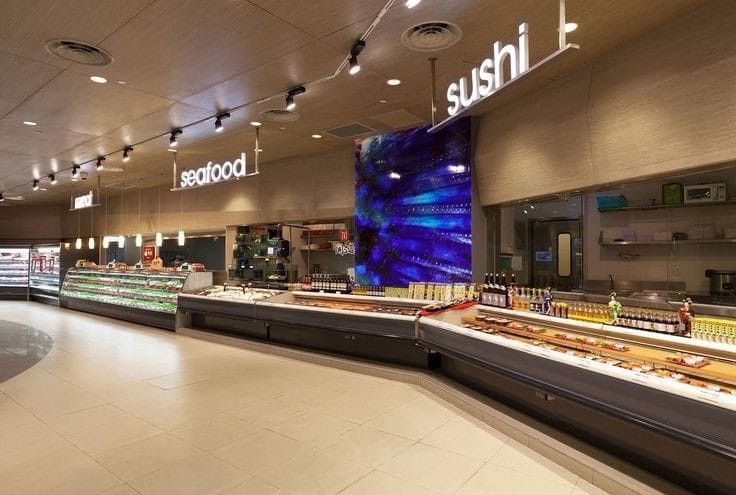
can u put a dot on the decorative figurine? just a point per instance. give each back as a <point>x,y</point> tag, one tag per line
<point>547,305</point>
<point>614,308</point>
<point>685,315</point>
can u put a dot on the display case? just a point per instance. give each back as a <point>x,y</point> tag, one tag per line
<point>662,402</point>
<point>14,272</point>
<point>146,297</point>
<point>44,279</point>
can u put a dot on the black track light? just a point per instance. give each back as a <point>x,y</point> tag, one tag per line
<point>52,179</point>
<point>290,104</point>
<point>126,153</point>
<point>218,121</point>
<point>1,198</point>
<point>354,52</point>
<point>173,143</point>
<point>100,165</point>
<point>75,171</point>
<point>35,184</point>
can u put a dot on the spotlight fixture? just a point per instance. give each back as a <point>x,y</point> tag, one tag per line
<point>354,52</point>
<point>410,4</point>
<point>75,172</point>
<point>218,121</point>
<point>52,179</point>
<point>570,27</point>
<point>393,82</point>
<point>317,136</point>
<point>126,153</point>
<point>35,184</point>
<point>255,123</point>
<point>1,198</point>
<point>290,104</point>
<point>173,143</point>
<point>100,165</point>
<point>98,79</point>
<point>30,122</point>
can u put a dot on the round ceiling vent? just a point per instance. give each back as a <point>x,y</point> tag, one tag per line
<point>278,115</point>
<point>79,52</point>
<point>431,36</point>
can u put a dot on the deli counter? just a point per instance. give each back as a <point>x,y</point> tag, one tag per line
<point>661,401</point>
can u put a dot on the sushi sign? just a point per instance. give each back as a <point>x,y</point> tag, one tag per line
<point>489,76</point>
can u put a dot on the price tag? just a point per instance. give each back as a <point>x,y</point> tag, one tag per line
<point>641,378</point>
<point>709,396</point>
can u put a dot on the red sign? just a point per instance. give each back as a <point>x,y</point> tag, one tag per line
<point>149,252</point>
<point>343,236</point>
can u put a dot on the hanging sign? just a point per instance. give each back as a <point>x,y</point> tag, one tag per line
<point>149,252</point>
<point>489,77</point>
<point>344,249</point>
<point>87,200</point>
<point>214,173</point>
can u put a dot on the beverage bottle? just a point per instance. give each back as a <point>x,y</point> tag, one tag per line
<point>503,292</point>
<point>484,297</point>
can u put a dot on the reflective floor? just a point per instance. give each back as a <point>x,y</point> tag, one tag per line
<point>118,408</point>
<point>21,347</point>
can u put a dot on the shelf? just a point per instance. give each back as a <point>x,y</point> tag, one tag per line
<point>667,243</point>
<point>664,207</point>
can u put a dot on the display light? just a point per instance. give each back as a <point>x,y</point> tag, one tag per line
<point>138,240</point>
<point>126,153</point>
<point>52,179</point>
<point>410,4</point>
<point>78,243</point>
<point>354,52</point>
<point>218,121</point>
<point>173,142</point>
<point>159,239</point>
<point>100,165</point>
<point>2,198</point>
<point>35,184</point>
<point>75,171</point>
<point>121,241</point>
<point>91,243</point>
<point>180,238</point>
<point>105,242</point>
<point>290,104</point>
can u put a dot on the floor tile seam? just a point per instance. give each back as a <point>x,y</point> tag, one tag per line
<point>357,481</point>
<point>546,478</point>
<point>483,464</point>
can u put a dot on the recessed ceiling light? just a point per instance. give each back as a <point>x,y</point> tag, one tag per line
<point>282,128</point>
<point>393,82</point>
<point>123,83</point>
<point>98,79</point>
<point>29,122</point>
<point>39,132</point>
<point>260,150</point>
<point>382,101</point>
<point>255,123</point>
<point>570,27</point>
<point>412,3</point>
<point>317,136</point>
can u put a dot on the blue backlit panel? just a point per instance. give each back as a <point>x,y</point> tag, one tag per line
<point>412,206</point>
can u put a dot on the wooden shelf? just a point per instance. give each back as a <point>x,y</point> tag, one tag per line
<point>665,207</point>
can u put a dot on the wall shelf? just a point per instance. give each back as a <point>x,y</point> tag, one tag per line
<point>662,207</point>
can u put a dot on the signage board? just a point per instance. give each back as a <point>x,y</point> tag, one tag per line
<point>149,253</point>
<point>86,200</point>
<point>213,173</point>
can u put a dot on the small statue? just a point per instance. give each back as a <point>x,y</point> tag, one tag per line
<point>547,305</point>
<point>685,315</point>
<point>614,308</point>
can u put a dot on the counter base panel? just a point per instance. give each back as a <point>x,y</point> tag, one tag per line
<point>14,293</point>
<point>44,298</point>
<point>203,306</point>
<point>166,321</point>
<point>375,347</point>
<point>676,459</point>
<point>236,327</point>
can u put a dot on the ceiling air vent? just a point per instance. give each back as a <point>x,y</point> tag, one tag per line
<point>278,115</point>
<point>431,36</point>
<point>79,52</point>
<point>350,130</point>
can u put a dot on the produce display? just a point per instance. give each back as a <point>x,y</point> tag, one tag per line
<point>709,375</point>
<point>153,291</point>
<point>13,267</point>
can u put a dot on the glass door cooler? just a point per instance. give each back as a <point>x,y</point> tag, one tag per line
<point>44,279</point>
<point>14,272</point>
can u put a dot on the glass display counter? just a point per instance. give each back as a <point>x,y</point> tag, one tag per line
<point>662,402</point>
<point>45,274</point>
<point>14,272</point>
<point>142,296</point>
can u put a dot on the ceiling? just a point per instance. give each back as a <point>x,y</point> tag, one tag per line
<point>186,60</point>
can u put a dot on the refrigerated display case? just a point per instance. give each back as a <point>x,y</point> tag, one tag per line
<point>146,297</point>
<point>662,402</point>
<point>44,279</point>
<point>14,272</point>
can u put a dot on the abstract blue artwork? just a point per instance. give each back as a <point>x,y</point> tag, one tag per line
<point>412,206</point>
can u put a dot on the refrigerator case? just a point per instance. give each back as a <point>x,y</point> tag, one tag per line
<point>141,296</point>
<point>14,272</point>
<point>660,402</point>
<point>44,278</point>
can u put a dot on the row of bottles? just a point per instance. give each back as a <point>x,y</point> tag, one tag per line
<point>654,321</point>
<point>328,282</point>
<point>495,292</point>
<point>532,299</point>
<point>369,290</point>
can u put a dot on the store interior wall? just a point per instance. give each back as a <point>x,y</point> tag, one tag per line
<point>662,103</point>
<point>31,223</point>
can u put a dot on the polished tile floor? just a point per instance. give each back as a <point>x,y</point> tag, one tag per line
<point>117,408</point>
